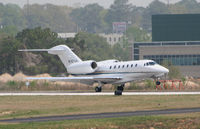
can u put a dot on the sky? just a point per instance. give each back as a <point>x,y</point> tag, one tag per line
<point>76,3</point>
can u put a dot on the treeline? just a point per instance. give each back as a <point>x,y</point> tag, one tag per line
<point>85,45</point>
<point>37,27</point>
<point>14,19</point>
<point>91,18</point>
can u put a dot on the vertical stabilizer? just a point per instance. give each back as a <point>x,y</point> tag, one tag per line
<point>65,54</point>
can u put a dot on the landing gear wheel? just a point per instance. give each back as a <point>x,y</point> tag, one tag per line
<point>118,92</point>
<point>120,88</point>
<point>157,82</point>
<point>98,89</point>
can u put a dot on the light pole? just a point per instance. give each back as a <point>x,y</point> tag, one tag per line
<point>28,8</point>
<point>168,2</point>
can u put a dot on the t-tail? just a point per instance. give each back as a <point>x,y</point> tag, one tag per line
<point>64,52</point>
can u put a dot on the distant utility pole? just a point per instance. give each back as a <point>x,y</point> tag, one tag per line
<point>28,8</point>
<point>168,2</point>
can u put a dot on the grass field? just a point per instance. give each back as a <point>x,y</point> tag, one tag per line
<point>29,106</point>
<point>180,121</point>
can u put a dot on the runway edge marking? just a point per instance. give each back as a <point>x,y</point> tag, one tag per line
<point>92,94</point>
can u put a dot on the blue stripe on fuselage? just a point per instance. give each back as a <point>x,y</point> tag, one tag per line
<point>96,73</point>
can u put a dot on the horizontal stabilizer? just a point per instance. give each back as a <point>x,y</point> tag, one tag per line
<point>40,50</point>
<point>32,50</point>
<point>59,78</point>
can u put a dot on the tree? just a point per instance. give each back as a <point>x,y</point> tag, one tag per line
<point>40,38</point>
<point>11,16</point>
<point>88,18</point>
<point>91,46</point>
<point>174,72</point>
<point>136,16</point>
<point>137,34</point>
<point>186,6</point>
<point>49,16</point>
<point>9,30</point>
<point>120,52</point>
<point>37,38</point>
<point>9,56</point>
<point>119,12</point>
<point>156,7</point>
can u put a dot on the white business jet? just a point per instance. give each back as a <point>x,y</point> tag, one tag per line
<point>103,72</point>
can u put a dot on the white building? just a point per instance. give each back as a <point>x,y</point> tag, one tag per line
<point>112,38</point>
<point>66,35</point>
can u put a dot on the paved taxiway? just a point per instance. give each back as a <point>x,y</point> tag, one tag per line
<point>94,93</point>
<point>102,115</point>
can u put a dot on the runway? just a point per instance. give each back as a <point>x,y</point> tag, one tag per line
<point>102,115</point>
<point>93,93</point>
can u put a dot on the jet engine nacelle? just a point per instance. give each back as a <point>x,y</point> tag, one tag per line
<point>83,67</point>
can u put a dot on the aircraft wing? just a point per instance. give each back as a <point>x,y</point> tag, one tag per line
<point>86,80</point>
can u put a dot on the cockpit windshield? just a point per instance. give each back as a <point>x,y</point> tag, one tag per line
<point>150,63</point>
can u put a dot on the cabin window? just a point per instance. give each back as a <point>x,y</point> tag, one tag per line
<point>135,65</point>
<point>118,66</point>
<point>123,66</point>
<point>110,67</point>
<point>127,66</point>
<point>114,66</point>
<point>131,65</point>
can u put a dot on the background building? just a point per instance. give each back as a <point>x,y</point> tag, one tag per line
<point>184,55</point>
<point>112,38</point>
<point>66,35</point>
<point>176,27</point>
<point>119,27</point>
<point>176,38</point>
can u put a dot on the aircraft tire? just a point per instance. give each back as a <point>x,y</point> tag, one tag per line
<point>120,88</point>
<point>98,89</point>
<point>118,92</point>
<point>157,82</point>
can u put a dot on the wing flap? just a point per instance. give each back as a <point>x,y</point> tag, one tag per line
<point>75,79</point>
<point>59,78</point>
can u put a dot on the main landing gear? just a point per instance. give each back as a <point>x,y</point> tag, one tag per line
<point>119,90</point>
<point>98,89</point>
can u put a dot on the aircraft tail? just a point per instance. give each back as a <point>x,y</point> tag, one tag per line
<point>64,52</point>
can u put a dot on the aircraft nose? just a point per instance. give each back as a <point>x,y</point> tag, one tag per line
<point>165,70</point>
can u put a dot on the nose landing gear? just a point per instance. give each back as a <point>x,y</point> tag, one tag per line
<point>157,82</point>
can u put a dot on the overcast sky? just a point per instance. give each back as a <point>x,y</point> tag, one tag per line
<point>105,3</point>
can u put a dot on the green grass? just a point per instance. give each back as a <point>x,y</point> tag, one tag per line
<point>30,106</point>
<point>160,122</point>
